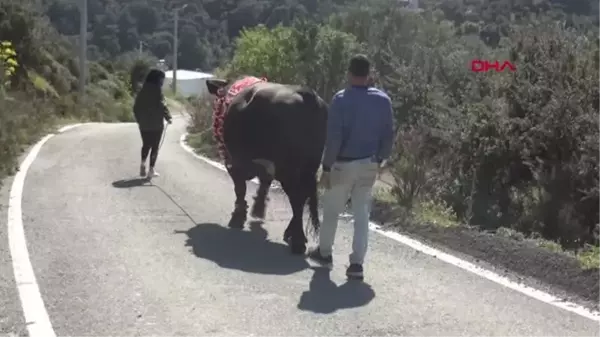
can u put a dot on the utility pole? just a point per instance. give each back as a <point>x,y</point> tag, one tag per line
<point>83,18</point>
<point>176,45</point>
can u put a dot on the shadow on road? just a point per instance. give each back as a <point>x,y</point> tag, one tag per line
<point>128,183</point>
<point>325,297</point>
<point>244,250</point>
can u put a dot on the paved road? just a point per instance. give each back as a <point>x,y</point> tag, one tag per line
<point>158,260</point>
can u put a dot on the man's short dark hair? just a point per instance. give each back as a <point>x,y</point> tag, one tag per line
<point>359,66</point>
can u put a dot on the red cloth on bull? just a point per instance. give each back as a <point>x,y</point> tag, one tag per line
<point>220,106</point>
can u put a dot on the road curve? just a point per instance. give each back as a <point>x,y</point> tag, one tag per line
<point>115,259</point>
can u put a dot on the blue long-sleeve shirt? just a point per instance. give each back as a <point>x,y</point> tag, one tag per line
<point>359,125</point>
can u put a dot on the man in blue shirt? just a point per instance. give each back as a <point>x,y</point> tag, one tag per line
<point>359,138</point>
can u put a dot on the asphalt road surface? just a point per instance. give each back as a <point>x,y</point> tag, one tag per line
<point>114,258</point>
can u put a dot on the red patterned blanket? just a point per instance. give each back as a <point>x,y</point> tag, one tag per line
<point>221,104</point>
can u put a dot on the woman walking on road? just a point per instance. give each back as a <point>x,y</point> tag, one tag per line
<point>150,110</point>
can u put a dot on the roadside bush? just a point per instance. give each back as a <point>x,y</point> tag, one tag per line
<point>200,126</point>
<point>18,129</point>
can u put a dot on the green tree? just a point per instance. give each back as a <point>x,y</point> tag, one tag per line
<point>312,55</point>
<point>261,51</point>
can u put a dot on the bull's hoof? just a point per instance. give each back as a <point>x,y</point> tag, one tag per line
<point>298,248</point>
<point>287,238</point>
<point>238,219</point>
<point>258,210</point>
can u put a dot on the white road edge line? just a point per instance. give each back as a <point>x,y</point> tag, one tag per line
<point>36,317</point>
<point>453,260</point>
<point>69,127</point>
<point>32,303</point>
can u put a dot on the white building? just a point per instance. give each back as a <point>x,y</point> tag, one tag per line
<point>189,83</point>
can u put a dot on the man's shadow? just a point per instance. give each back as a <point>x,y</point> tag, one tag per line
<point>325,297</point>
<point>244,250</point>
<point>128,183</point>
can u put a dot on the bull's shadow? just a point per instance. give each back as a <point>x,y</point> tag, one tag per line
<point>325,297</point>
<point>245,250</point>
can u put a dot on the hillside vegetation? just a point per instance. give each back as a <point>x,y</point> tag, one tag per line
<point>514,153</point>
<point>207,27</point>
<point>39,82</point>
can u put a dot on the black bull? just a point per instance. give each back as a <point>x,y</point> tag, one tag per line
<point>275,131</point>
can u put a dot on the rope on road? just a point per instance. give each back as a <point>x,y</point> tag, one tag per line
<point>175,202</point>
<point>162,139</point>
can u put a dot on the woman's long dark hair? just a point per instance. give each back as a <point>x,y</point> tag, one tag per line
<point>154,77</point>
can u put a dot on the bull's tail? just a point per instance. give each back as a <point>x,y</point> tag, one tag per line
<point>314,146</point>
<point>313,206</point>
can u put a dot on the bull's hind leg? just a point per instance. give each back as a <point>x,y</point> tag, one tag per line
<point>239,214</point>
<point>294,233</point>
<point>259,208</point>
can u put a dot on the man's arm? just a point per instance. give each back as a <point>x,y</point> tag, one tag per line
<point>387,133</point>
<point>334,134</point>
